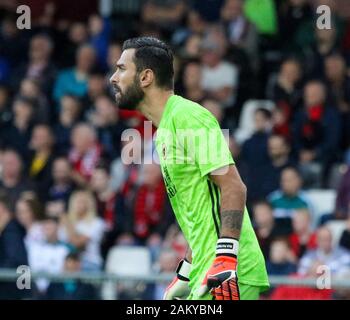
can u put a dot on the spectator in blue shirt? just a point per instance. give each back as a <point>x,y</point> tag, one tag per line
<point>74,81</point>
<point>12,249</point>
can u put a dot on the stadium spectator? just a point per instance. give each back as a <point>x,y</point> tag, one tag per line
<point>47,254</point>
<point>71,289</point>
<point>284,88</point>
<point>326,43</point>
<point>335,258</point>
<point>105,198</point>
<point>254,156</point>
<point>62,184</point>
<point>316,129</point>
<point>282,261</point>
<point>302,238</point>
<point>219,77</point>
<point>339,84</point>
<point>96,87</point>
<point>39,67</point>
<point>338,81</point>
<point>167,15</point>
<point>240,31</point>
<point>18,132</point>
<point>75,80</point>
<point>99,31</point>
<point>13,43</point>
<point>113,55</point>
<point>191,79</point>
<point>29,214</point>
<point>125,171</point>
<point>12,249</point>
<point>12,182</point>
<point>188,37</point>
<point>265,227</point>
<point>254,150</point>
<point>279,153</point>
<point>191,48</point>
<point>40,159</point>
<point>85,153</point>
<point>5,112</point>
<point>69,115</point>
<point>105,118</point>
<point>77,35</point>
<point>30,88</point>
<point>149,203</point>
<point>288,199</point>
<point>292,15</point>
<point>82,228</point>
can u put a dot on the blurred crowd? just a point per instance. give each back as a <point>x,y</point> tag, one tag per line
<point>262,67</point>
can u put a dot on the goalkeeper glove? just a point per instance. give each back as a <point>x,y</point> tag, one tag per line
<point>221,279</point>
<point>179,288</point>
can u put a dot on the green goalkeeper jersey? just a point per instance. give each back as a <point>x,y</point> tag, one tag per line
<point>190,145</point>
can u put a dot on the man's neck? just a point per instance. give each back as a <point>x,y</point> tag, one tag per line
<point>10,181</point>
<point>154,104</point>
<point>279,161</point>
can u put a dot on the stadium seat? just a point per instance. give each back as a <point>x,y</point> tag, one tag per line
<point>246,122</point>
<point>322,202</point>
<point>337,228</point>
<point>126,261</point>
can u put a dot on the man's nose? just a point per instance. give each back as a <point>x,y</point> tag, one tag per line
<point>114,78</point>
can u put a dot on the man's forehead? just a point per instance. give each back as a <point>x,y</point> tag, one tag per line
<point>126,57</point>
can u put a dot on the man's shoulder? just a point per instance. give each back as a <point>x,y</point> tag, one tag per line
<point>184,109</point>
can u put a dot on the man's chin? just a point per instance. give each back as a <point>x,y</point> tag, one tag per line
<point>126,106</point>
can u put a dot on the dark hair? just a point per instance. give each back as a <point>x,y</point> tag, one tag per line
<point>33,203</point>
<point>280,136</point>
<point>25,100</point>
<point>153,54</point>
<point>262,202</point>
<point>266,113</point>
<point>73,255</point>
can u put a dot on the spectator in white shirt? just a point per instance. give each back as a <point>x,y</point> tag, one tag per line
<point>82,228</point>
<point>335,258</point>
<point>28,212</point>
<point>47,255</point>
<point>219,77</point>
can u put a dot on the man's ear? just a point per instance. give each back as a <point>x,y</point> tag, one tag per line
<point>146,78</point>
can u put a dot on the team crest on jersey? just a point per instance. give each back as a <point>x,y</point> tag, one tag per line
<point>164,151</point>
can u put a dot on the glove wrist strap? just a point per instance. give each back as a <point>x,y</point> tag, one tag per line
<point>227,247</point>
<point>183,270</point>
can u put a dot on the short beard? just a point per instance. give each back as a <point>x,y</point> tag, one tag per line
<point>132,97</point>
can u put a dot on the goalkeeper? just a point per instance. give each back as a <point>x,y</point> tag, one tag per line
<point>224,261</point>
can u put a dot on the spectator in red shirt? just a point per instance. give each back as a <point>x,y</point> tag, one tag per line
<point>84,154</point>
<point>105,197</point>
<point>149,202</point>
<point>302,238</point>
